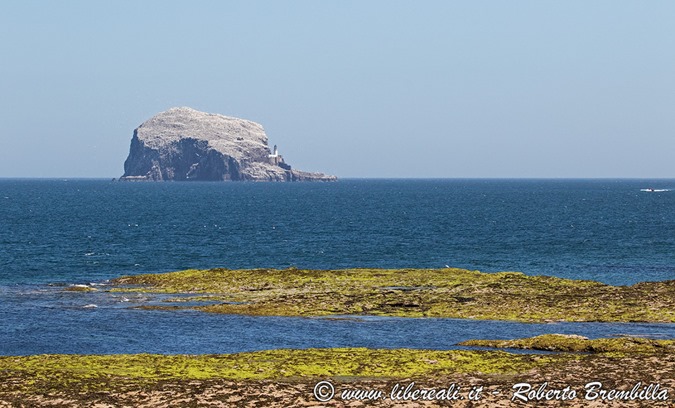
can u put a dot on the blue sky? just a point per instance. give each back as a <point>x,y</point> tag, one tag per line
<point>352,88</point>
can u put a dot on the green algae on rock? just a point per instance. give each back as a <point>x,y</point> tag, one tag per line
<point>42,373</point>
<point>449,293</point>
<point>574,343</point>
<point>131,380</point>
<point>80,288</point>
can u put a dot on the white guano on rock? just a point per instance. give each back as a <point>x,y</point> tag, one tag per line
<point>184,144</point>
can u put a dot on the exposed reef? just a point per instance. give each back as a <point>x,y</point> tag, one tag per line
<point>450,293</point>
<point>619,367</point>
<point>184,144</point>
<point>288,377</point>
<point>579,344</point>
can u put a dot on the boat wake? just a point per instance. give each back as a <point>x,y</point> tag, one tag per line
<point>655,190</point>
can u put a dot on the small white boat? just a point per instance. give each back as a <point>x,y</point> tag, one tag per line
<point>654,190</point>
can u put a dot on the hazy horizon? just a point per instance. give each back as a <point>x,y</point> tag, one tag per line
<point>361,90</point>
<point>116,178</point>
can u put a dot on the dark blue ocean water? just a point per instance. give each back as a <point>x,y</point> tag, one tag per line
<point>55,232</point>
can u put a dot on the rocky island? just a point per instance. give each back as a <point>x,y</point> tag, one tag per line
<point>183,144</point>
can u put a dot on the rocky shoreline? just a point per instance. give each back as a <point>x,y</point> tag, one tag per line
<point>556,370</point>
<point>615,377</point>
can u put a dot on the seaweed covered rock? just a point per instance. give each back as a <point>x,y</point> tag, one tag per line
<point>580,344</point>
<point>185,144</point>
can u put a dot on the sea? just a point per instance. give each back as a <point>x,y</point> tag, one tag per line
<point>60,232</point>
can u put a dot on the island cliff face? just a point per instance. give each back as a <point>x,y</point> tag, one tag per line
<point>184,144</point>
